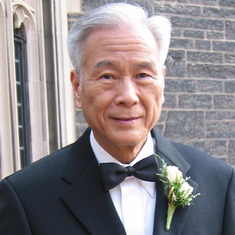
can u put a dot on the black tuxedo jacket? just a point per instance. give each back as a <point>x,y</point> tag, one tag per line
<point>62,194</point>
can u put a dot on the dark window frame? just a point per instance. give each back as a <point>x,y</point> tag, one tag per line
<point>22,95</point>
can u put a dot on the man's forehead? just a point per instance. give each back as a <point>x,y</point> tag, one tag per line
<point>108,47</point>
<point>122,36</point>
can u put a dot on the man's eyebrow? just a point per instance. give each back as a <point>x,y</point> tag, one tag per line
<point>146,64</point>
<point>104,63</point>
<point>141,64</point>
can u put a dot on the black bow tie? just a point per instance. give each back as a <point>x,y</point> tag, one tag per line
<point>113,174</point>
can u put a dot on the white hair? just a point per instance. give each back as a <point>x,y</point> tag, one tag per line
<point>116,15</point>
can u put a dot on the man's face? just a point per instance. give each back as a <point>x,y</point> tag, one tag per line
<point>121,89</point>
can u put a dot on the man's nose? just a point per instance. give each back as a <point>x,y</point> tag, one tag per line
<point>127,92</point>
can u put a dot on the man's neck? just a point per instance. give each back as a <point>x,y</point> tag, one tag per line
<point>104,156</point>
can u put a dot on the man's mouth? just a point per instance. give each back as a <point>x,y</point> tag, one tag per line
<point>125,119</point>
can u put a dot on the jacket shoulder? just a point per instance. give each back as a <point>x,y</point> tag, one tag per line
<point>47,167</point>
<point>203,162</point>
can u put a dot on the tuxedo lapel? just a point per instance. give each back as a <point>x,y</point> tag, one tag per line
<point>171,156</point>
<point>85,197</point>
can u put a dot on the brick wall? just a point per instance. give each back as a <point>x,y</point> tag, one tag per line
<point>199,107</point>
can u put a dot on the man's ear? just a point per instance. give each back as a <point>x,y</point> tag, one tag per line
<point>74,78</point>
<point>164,75</point>
<point>164,71</point>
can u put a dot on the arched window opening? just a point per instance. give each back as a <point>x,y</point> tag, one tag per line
<point>22,94</point>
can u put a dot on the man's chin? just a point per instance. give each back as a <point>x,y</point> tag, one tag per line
<point>130,139</point>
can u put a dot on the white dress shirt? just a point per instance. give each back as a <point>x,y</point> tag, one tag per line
<point>134,199</point>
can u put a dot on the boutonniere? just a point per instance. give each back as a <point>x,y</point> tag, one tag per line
<point>177,189</point>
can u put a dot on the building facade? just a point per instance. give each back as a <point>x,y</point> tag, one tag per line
<point>37,111</point>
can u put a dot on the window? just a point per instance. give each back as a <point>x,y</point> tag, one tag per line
<point>21,88</point>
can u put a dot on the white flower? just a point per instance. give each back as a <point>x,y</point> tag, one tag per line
<point>186,188</point>
<point>173,173</point>
<point>177,190</point>
<point>174,196</point>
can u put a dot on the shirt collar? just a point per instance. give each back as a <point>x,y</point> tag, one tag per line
<point>103,157</point>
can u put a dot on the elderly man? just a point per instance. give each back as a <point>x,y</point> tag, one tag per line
<point>118,55</point>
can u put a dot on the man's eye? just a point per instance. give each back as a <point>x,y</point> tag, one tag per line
<point>107,76</point>
<point>143,75</point>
